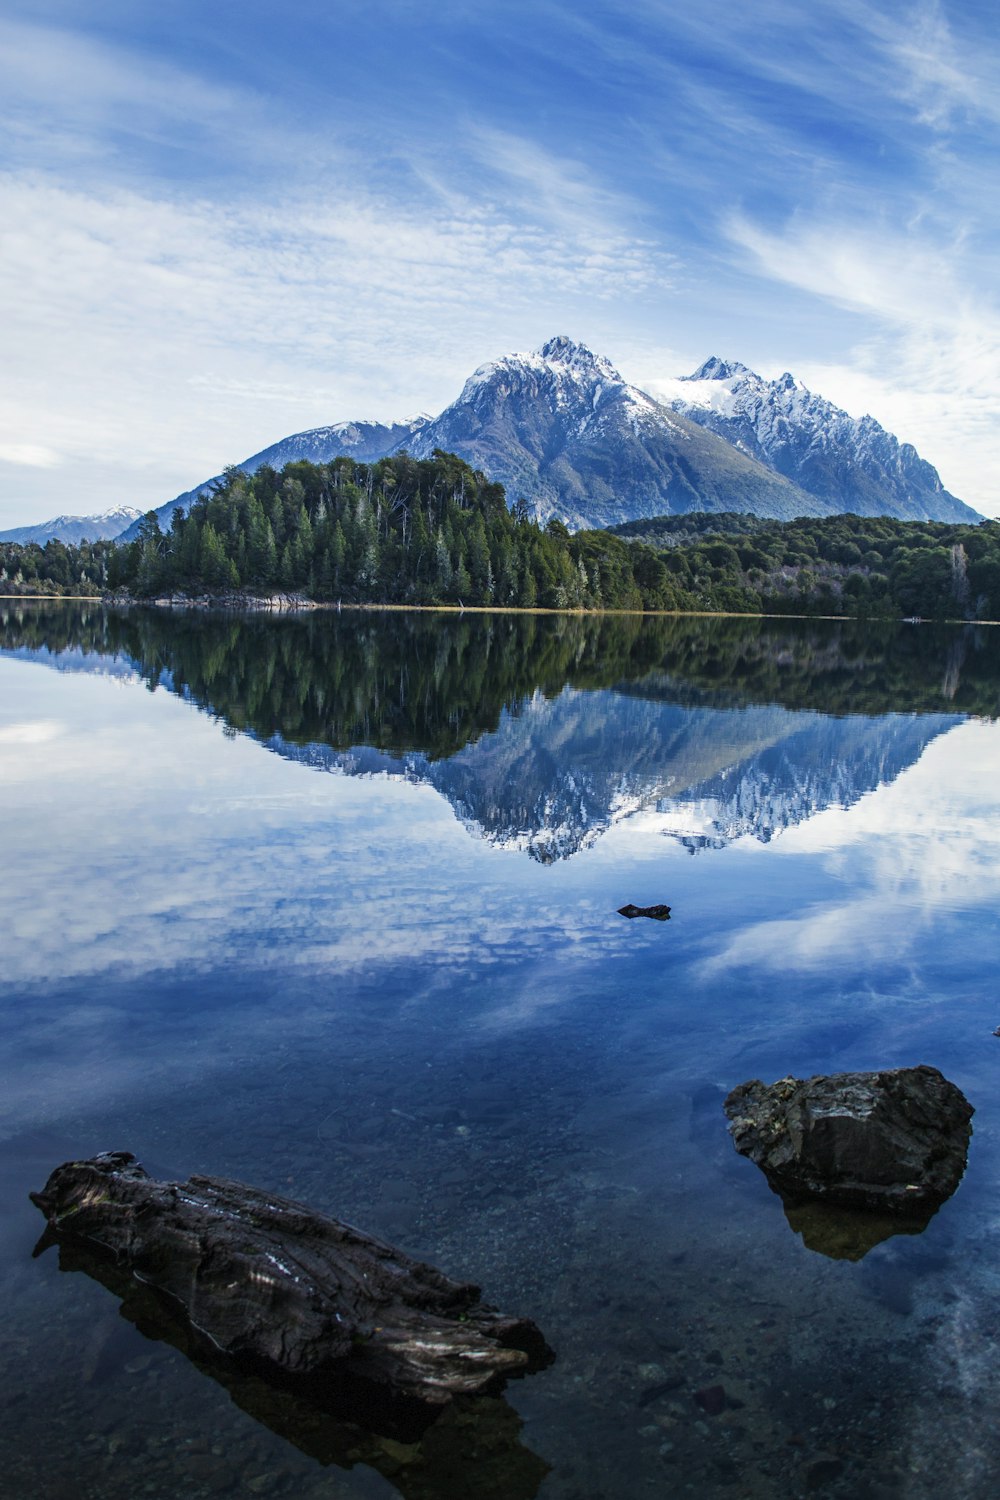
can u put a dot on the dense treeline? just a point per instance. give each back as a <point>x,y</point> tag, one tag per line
<point>435,531</point>
<point>401,682</point>
<point>400,531</point>
<point>55,568</point>
<point>840,565</point>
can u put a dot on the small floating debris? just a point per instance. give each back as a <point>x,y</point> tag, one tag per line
<point>658,913</point>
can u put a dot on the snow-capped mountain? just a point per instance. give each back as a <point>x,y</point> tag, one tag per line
<point>852,463</point>
<point>563,429</point>
<point>74,529</point>
<point>697,749</point>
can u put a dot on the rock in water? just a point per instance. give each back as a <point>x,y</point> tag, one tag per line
<point>263,1277</point>
<point>892,1140</point>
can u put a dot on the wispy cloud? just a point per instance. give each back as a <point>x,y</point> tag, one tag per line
<point>931,364</point>
<point>204,251</point>
<point>141,317</point>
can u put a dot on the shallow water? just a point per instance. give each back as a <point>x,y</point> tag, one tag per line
<point>330,906</point>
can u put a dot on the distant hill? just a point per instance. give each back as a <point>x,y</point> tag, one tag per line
<point>364,441</point>
<point>75,529</point>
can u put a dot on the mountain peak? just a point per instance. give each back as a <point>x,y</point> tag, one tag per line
<point>577,359</point>
<point>718,369</point>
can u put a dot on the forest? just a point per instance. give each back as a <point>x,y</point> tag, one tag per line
<point>437,532</point>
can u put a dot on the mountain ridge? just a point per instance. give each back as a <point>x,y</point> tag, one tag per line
<point>561,428</point>
<point>75,529</point>
<point>852,462</point>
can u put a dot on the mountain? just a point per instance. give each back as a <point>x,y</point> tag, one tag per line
<point>851,463</point>
<point>548,769</point>
<point>559,773</point>
<point>74,529</point>
<point>564,430</point>
<point>364,441</point>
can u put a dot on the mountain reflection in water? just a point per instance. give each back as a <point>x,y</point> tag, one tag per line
<point>325,985</point>
<point>542,732</point>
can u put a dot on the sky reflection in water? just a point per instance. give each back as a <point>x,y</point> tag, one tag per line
<point>274,966</point>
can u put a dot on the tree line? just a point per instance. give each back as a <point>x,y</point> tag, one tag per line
<point>860,566</point>
<point>399,531</point>
<point>437,532</point>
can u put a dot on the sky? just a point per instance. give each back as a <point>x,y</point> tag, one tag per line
<point>226,223</point>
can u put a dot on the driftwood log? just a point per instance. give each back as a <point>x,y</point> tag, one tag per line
<point>470,1446</point>
<point>263,1278</point>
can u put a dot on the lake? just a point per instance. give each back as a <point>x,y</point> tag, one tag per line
<point>328,904</point>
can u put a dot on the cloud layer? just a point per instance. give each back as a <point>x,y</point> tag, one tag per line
<point>218,235</point>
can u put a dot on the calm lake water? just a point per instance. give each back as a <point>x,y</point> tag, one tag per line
<point>329,905</point>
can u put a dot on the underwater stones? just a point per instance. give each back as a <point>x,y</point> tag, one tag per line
<point>261,1277</point>
<point>658,913</point>
<point>712,1400</point>
<point>894,1140</point>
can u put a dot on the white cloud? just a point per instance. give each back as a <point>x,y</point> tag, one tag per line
<point>174,337</point>
<point>30,455</point>
<point>31,732</point>
<point>931,369</point>
<point>921,848</point>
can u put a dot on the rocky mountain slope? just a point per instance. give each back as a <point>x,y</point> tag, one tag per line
<point>562,429</point>
<point>363,441</point>
<point>558,774</point>
<point>852,463</point>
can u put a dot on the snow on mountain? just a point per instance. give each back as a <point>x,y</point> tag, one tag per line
<point>560,773</point>
<point>852,463</point>
<point>562,429</point>
<point>75,529</point>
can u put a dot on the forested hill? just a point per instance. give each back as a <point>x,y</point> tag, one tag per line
<point>398,531</point>
<point>435,531</point>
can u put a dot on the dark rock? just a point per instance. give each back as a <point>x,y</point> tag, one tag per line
<point>822,1472</point>
<point>712,1400</point>
<point>265,1278</point>
<point>895,1140</point>
<point>658,913</point>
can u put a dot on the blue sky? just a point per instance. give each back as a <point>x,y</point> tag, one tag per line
<point>225,223</point>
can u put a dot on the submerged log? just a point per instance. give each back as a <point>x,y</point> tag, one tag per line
<point>895,1140</point>
<point>265,1278</point>
<point>658,913</point>
<point>470,1446</point>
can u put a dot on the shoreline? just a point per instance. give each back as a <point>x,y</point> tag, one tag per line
<point>287,604</point>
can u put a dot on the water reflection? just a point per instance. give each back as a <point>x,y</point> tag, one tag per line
<point>543,733</point>
<point>473,1446</point>
<point>847,1233</point>
<point>325,985</point>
